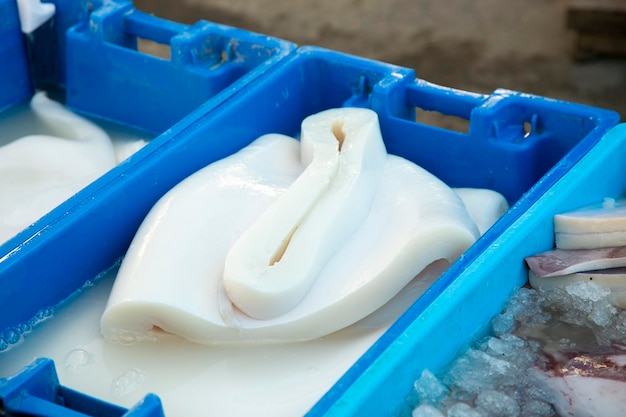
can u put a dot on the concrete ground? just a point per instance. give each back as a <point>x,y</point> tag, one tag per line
<point>476,45</point>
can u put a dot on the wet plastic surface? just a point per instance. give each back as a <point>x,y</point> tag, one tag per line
<point>517,144</point>
<point>36,391</point>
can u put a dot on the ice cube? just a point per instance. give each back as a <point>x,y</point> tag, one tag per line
<point>587,291</point>
<point>426,410</point>
<point>476,370</point>
<point>503,323</point>
<point>429,389</point>
<point>464,410</point>
<point>496,403</point>
<point>537,408</point>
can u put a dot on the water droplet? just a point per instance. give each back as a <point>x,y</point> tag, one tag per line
<point>78,359</point>
<point>127,382</point>
<point>42,315</point>
<point>25,328</point>
<point>11,337</point>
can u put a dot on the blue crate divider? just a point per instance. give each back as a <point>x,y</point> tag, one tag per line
<point>15,81</point>
<point>36,391</point>
<point>89,232</point>
<point>431,333</point>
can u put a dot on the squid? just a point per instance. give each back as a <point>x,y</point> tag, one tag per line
<point>286,240</point>
<point>38,172</point>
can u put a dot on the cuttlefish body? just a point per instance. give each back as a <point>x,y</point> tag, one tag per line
<point>39,172</point>
<point>587,384</point>
<point>286,240</point>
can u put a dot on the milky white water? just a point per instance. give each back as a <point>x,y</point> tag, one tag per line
<point>193,379</point>
<point>20,121</point>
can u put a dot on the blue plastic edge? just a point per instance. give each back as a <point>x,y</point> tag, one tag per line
<point>15,82</point>
<point>36,390</point>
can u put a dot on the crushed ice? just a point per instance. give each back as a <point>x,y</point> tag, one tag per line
<point>492,377</point>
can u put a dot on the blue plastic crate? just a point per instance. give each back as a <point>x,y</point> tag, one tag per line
<point>430,335</point>
<point>107,78</point>
<point>87,55</point>
<point>89,50</point>
<point>79,242</point>
<point>15,85</point>
<point>36,391</point>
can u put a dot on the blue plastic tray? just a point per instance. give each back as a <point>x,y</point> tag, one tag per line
<point>517,144</point>
<point>99,72</point>
<point>15,85</point>
<point>36,391</point>
<point>430,334</point>
<point>89,49</point>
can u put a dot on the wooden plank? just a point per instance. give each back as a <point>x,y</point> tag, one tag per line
<point>589,45</point>
<point>596,16</point>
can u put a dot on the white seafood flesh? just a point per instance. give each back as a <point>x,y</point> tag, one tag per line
<point>38,172</point>
<point>587,385</point>
<point>596,226</point>
<point>273,264</point>
<point>172,276</point>
<point>560,262</point>
<point>484,206</point>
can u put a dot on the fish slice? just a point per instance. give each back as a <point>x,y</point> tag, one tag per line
<point>563,262</point>
<point>595,226</point>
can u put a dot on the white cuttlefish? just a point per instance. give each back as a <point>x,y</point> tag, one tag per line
<point>287,240</point>
<point>586,384</point>
<point>38,172</point>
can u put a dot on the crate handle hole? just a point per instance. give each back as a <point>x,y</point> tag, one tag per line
<point>156,49</point>
<point>442,120</point>
<point>530,126</point>
<point>528,129</point>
